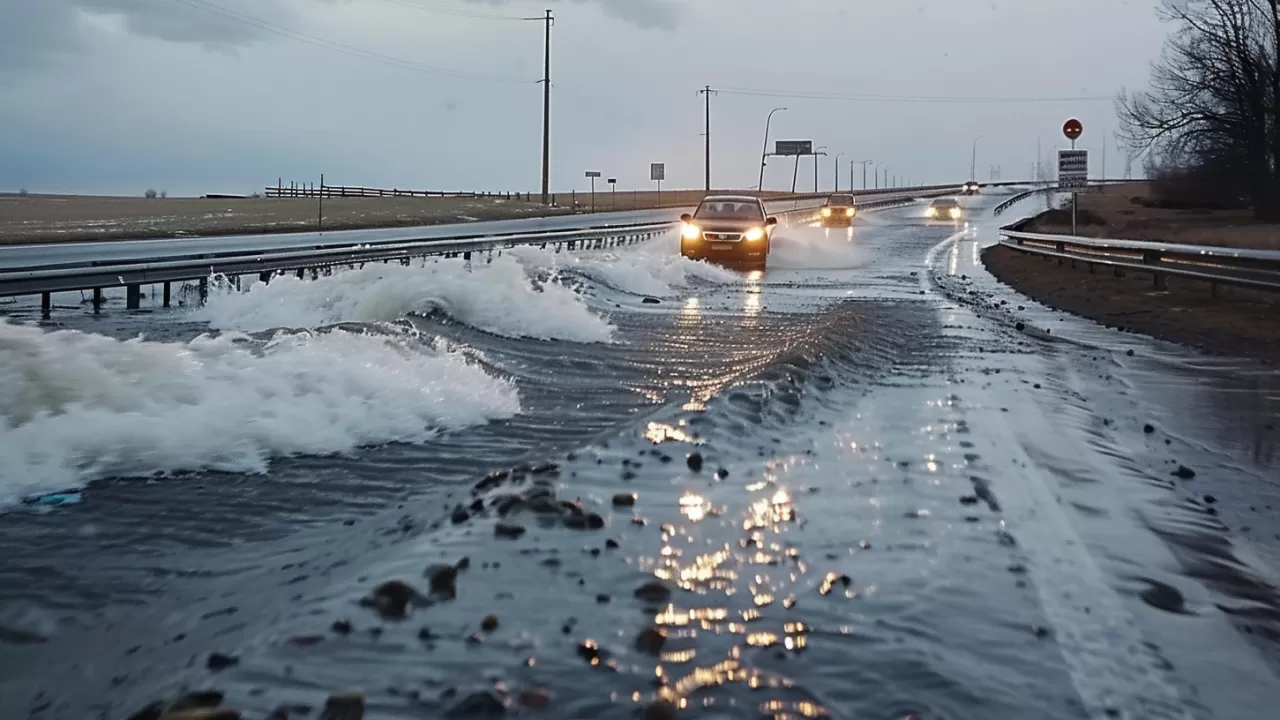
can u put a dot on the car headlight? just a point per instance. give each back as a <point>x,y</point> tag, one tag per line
<point>691,232</point>
<point>755,234</point>
<point>849,212</point>
<point>826,212</point>
<point>931,212</point>
<point>955,212</point>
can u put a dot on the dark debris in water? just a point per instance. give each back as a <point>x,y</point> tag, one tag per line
<point>197,705</point>
<point>221,661</point>
<point>392,599</point>
<point>653,591</point>
<point>694,461</point>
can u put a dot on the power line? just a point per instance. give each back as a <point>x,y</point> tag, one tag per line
<point>335,46</point>
<point>441,9</point>
<point>806,95</point>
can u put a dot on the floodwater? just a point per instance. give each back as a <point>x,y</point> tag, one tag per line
<point>846,487</point>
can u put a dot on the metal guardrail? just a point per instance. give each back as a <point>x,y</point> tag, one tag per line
<point>1240,267</point>
<point>999,209</point>
<point>133,273</point>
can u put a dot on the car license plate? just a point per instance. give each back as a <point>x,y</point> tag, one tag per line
<point>721,246</point>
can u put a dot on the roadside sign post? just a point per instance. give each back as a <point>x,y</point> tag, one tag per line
<point>797,148</point>
<point>593,174</point>
<point>1073,165</point>
<point>613,193</point>
<point>658,173</point>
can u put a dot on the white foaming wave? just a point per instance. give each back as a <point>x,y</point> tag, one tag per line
<point>77,406</point>
<point>650,268</point>
<point>496,297</point>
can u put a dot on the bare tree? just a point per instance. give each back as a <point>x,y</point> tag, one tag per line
<point>1211,108</point>
<point>150,193</point>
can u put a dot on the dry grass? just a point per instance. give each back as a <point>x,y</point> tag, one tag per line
<point>69,218</point>
<point>1238,322</point>
<point>1120,215</point>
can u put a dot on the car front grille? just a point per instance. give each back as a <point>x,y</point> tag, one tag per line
<point>723,236</point>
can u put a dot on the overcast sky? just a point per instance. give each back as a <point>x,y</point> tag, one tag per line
<point>196,96</point>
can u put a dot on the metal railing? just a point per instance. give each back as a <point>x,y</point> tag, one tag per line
<point>1240,267</point>
<point>999,209</point>
<point>133,274</point>
<point>96,273</point>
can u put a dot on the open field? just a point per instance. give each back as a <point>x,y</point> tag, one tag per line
<point>1238,322</point>
<point>1118,212</point>
<point>71,218</point>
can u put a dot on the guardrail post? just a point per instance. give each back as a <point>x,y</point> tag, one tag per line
<point>1152,257</point>
<point>302,274</point>
<point>264,277</point>
<point>168,292</point>
<point>97,300</point>
<point>46,305</point>
<point>204,290</point>
<point>132,297</point>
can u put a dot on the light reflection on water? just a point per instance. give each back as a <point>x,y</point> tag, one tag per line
<point>763,565</point>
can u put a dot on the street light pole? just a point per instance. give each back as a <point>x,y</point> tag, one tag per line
<point>837,169</point>
<point>764,152</point>
<point>864,164</point>
<point>973,160</point>
<point>816,153</point>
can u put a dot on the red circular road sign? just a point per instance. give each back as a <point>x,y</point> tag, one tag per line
<point>1073,129</point>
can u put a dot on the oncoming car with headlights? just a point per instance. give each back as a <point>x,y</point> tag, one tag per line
<point>838,211</point>
<point>944,209</point>
<point>728,228</point>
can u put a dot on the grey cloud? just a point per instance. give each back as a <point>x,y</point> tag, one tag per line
<point>648,14</point>
<point>40,29</point>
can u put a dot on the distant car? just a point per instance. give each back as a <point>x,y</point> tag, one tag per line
<point>839,211</point>
<point>728,228</point>
<point>944,209</point>
<point>971,188</point>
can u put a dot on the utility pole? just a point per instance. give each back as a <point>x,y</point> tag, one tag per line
<point>1104,154</point>
<point>973,160</point>
<point>707,92</point>
<point>546,113</point>
<point>1039,163</point>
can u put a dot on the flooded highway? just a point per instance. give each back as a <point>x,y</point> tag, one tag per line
<point>869,482</point>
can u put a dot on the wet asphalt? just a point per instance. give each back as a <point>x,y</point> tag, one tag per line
<point>870,482</point>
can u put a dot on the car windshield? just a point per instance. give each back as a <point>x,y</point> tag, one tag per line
<point>840,200</point>
<point>944,203</point>
<point>729,210</point>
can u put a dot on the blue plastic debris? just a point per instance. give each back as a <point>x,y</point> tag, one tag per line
<point>56,499</point>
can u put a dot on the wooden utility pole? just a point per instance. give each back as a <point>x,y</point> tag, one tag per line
<point>707,92</point>
<point>546,114</point>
